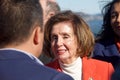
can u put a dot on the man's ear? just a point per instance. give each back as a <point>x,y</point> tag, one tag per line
<point>50,14</point>
<point>37,33</point>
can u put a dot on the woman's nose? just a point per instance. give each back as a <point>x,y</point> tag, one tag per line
<point>59,42</point>
<point>118,18</point>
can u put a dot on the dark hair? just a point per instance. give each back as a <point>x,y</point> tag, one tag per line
<point>85,38</point>
<point>17,20</point>
<point>107,31</point>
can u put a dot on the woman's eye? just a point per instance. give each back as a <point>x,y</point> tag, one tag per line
<point>113,15</point>
<point>54,38</point>
<point>65,37</point>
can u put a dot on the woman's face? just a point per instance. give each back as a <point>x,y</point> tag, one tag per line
<point>115,18</point>
<point>64,42</point>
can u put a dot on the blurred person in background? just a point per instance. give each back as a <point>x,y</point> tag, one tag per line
<point>52,8</point>
<point>43,5</point>
<point>107,47</point>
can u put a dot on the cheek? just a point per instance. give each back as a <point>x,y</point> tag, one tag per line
<point>113,26</point>
<point>112,22</point>
<point>53,47</point>
<point>71,45</point>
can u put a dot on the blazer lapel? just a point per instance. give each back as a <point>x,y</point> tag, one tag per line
<point>88,69</point>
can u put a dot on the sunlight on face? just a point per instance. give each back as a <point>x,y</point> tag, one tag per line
<point>64,42</point>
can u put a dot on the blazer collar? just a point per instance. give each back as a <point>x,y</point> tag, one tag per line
<point>111,50</point>
<point>88,68</point>
<point>12,54</point>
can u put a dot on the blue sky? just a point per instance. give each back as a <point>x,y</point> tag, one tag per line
<point>87,6</point>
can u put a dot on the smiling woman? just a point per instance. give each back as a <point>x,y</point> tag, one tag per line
<point>61,40</point>
<point>69,40</point>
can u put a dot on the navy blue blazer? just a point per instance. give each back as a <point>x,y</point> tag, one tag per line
<point>107,51</point>
<point>15,65</point>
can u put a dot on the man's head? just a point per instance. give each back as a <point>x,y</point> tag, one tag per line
<point>52,8</point>
<point>20,22</point>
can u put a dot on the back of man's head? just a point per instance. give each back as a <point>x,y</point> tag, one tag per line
<point>18,19</point>
<point>52,7</point>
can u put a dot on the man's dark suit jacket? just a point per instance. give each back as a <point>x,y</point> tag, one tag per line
<point>15,65</point>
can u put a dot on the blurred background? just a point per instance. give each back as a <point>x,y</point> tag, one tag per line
<point>90,10</point>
